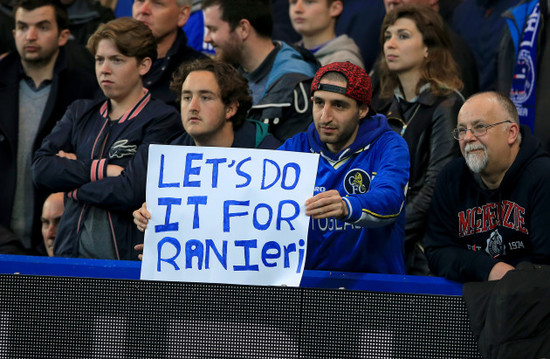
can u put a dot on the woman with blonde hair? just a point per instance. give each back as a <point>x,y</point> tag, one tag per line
<point>419,92</point>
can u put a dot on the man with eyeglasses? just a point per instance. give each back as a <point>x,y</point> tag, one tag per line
<point>491,208</point>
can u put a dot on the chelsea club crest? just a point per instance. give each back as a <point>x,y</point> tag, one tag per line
<point>357,181</point>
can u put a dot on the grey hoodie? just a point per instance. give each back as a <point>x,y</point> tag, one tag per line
<point>342,48</point>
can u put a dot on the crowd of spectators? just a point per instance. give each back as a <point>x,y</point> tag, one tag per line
<point>84,93</point>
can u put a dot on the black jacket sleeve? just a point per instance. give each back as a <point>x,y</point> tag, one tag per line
<point>127,191</point>
<point>443,148</point>
<point>58,174</point>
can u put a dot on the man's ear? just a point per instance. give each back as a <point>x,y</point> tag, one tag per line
<point>243,29</point>
<point>434,4</point>
<point>336,8</point>
<point>513,133</point>
<point>231,109</point>
<point>63,37</point>
<point>363,111</point>
<point>145,66</point>
<point>183,15</point>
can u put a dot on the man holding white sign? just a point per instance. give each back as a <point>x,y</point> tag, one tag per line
<point>357,223</point>
<point>357,212</point>
<point>215,218</point>
<point>214,102</point>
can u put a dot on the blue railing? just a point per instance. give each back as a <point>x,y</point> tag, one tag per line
<point>100,268</point>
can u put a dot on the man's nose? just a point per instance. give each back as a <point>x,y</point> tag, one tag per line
<point>469,136</point>
<point>194,104</point>
<point>145,8</point>
<point>326,114</point>
<point>52,231</point>
<point>31,33</point>
<point>299,6</point>
<point>104,67</point>
<point>207,37</point>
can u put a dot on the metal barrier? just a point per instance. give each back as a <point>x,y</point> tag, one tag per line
<point>76,308</point>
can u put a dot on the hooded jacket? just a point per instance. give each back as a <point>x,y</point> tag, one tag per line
<point>284,104</point>
<point>370,175</point>
<point>340,49</point>
<point>471,228</point>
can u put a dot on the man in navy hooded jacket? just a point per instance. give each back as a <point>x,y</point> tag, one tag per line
<point>490,208</point>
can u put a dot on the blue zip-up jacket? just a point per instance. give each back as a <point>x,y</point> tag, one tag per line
<point>87,131</point>
<point>371,175</point>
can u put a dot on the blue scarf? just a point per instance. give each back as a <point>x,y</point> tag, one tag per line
<point>523,91</point>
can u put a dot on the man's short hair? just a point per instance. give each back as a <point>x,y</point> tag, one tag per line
<point>184,3</point>
<point>131,37</point>
<point>257,12</point>
<point>233,86</point>
<point>504,102</point>
<point>61,15</point>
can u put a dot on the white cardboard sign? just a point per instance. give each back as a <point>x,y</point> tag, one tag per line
<point>227,215</point>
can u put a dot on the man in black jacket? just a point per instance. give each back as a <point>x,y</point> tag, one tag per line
<point>165,18</point>
<point>490,209</point>
<point>95,143</point>
<point>38,83</point>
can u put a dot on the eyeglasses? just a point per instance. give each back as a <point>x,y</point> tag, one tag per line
<point>478,130</point>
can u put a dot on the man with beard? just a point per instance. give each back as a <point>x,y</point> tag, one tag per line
<point>165,18</point>
<point>278,75</point>
<point>357,211</point>
<point>38,82</point>
<point>490,209</point>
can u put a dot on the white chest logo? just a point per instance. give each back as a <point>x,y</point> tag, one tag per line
<point>121,149</point>
<point>495,246</point>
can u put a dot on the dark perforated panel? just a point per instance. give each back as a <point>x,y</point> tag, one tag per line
<point>56,317</point>
<point>385,325</point>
